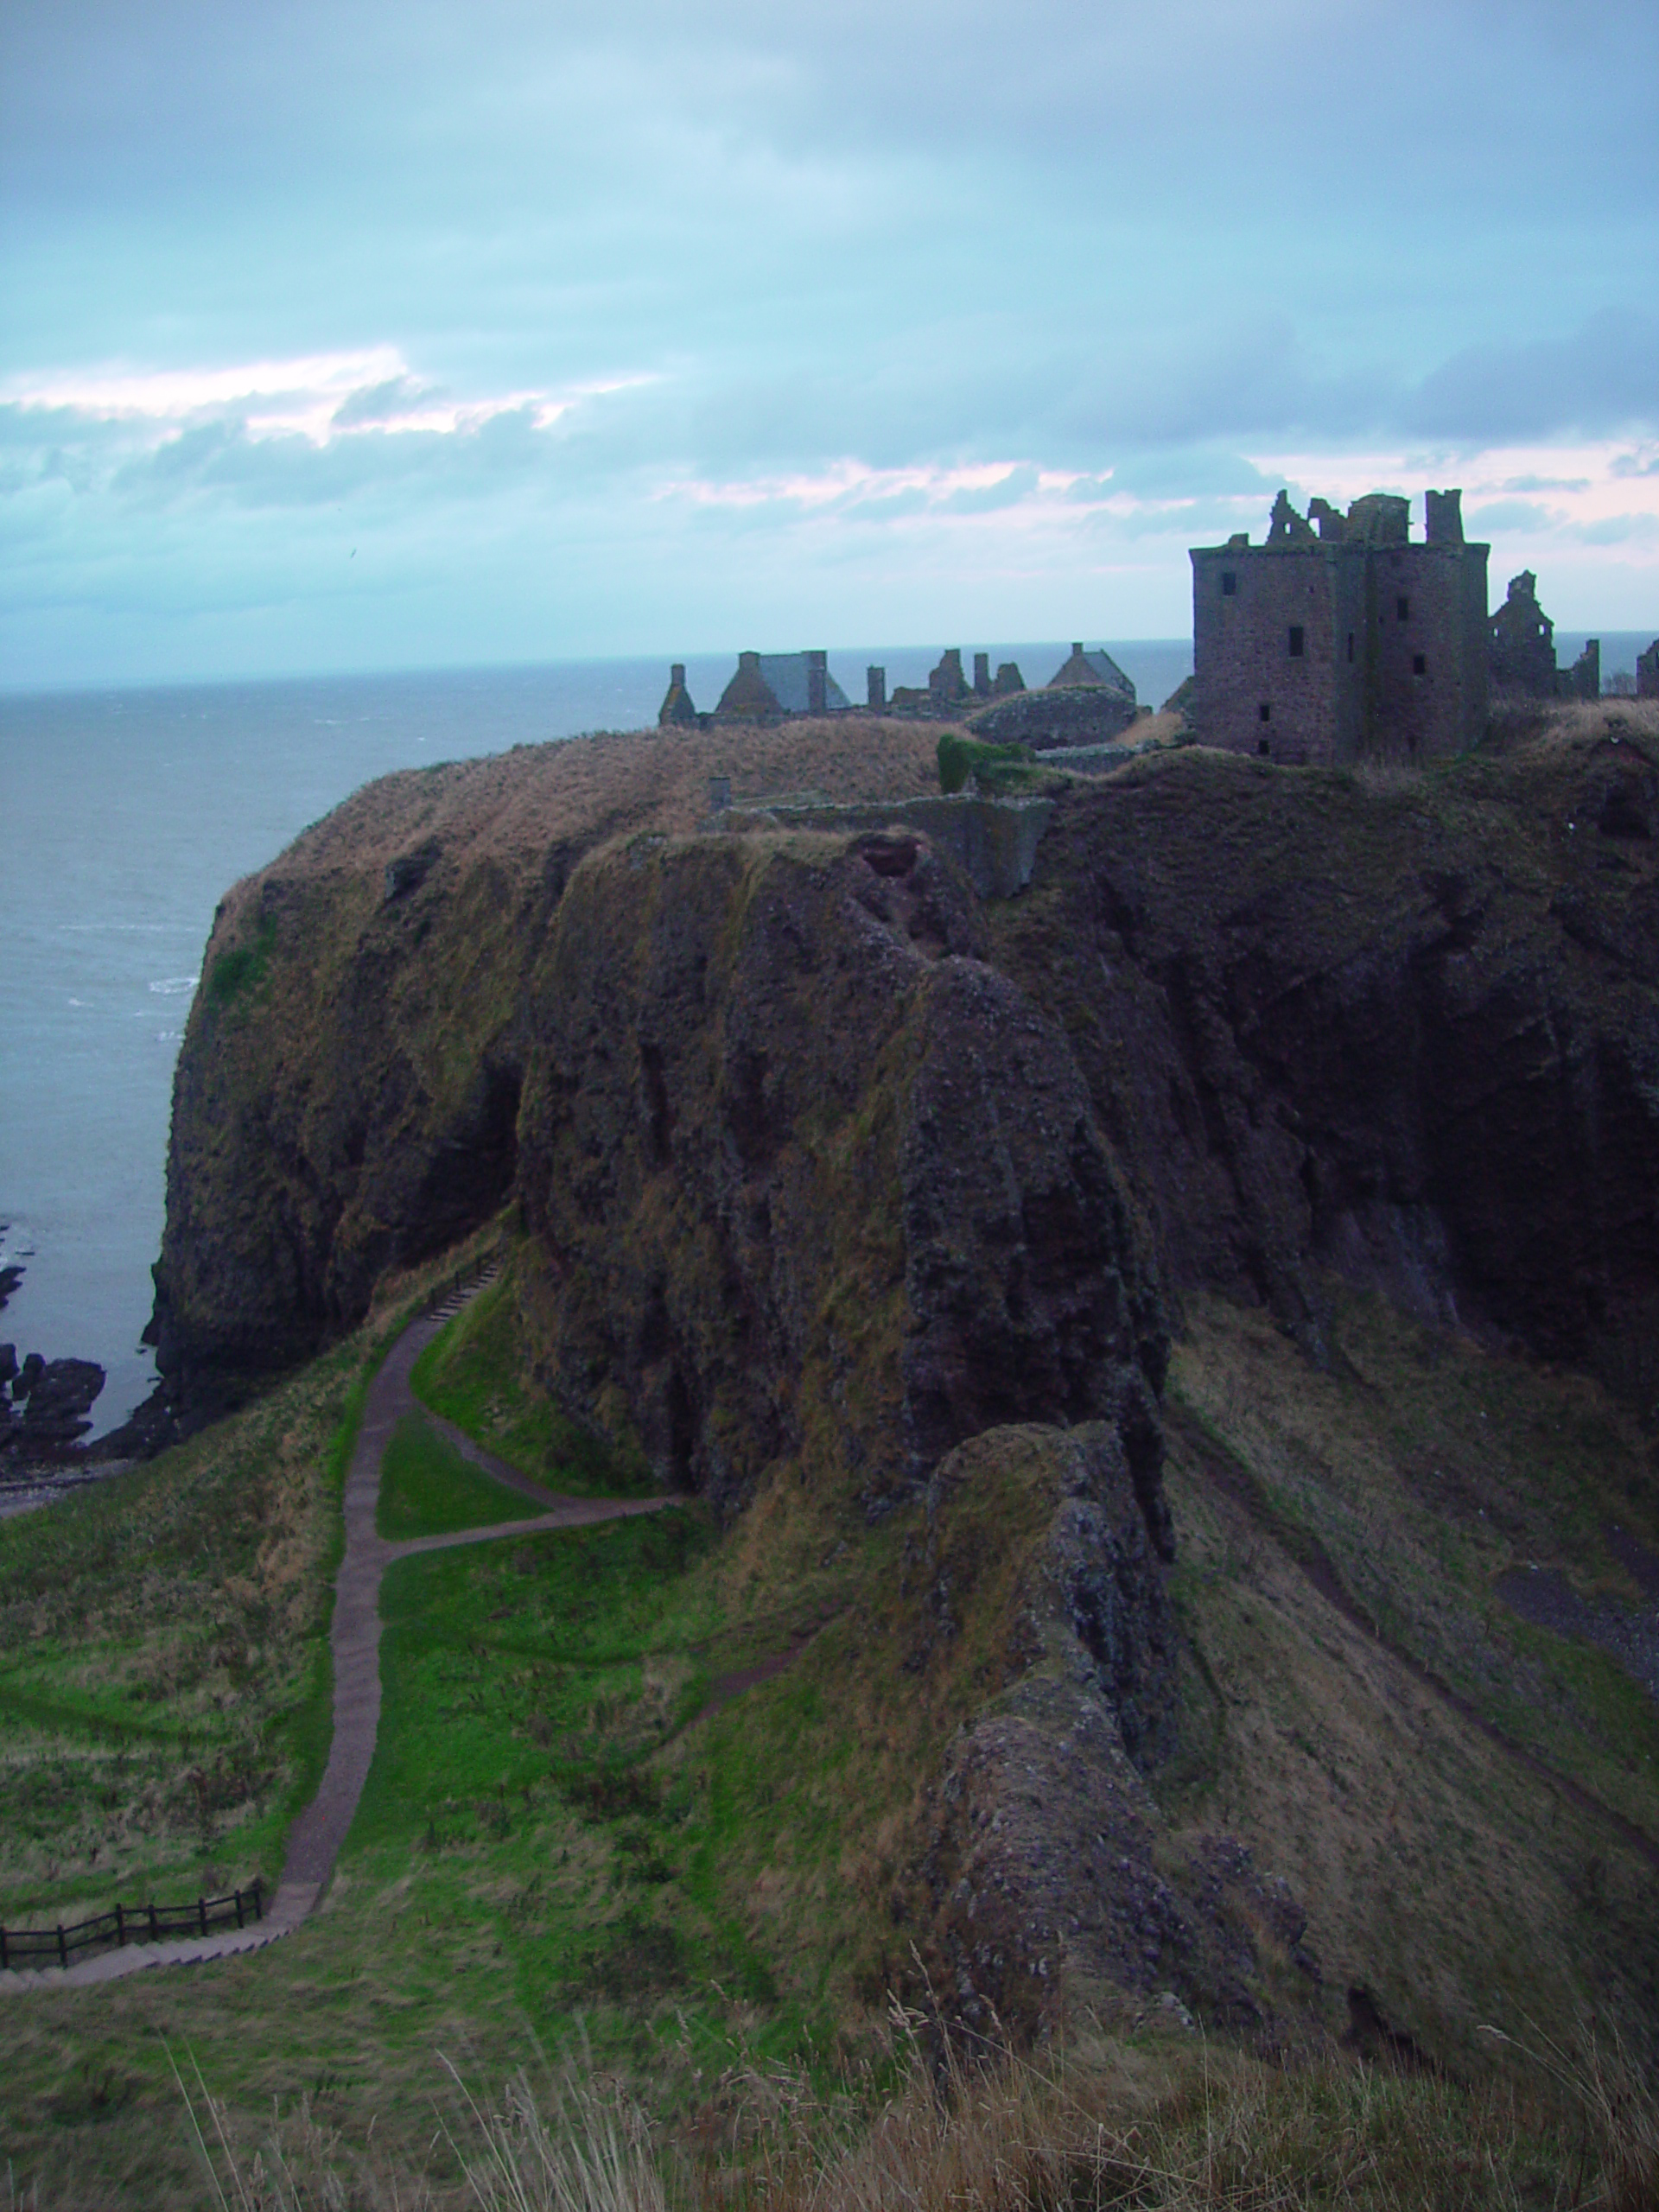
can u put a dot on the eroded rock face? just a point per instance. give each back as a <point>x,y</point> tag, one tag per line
<point>1412,1034</point>
<point>813,1178</point>
<point>1047,1880</point>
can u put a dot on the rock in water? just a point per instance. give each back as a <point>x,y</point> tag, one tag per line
<point>57,1405</point>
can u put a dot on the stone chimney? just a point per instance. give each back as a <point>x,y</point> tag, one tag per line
<point>818,683</point>
<point>982,676</point>
<point>1443,517</point>
<point>875,681</point>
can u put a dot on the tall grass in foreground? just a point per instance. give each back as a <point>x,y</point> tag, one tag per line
<point>1171,2132</point>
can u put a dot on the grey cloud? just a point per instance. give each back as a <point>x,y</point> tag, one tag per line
<point>1545,484</point>
<point>1618,530</point>
<point>288,470</point>
<point>381,403</point>
<point>1187,472</point>
<point>1603,377</point>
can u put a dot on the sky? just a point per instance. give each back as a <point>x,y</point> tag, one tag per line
<point>342,334</point>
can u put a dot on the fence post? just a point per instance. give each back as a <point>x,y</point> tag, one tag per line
<point>63,1949</point>
<point>201,1913</point>
<point>120,1927</point>
<point>239,1908</point>
<point>258,1897</point>
<point>5,1961</point>
<point>154,1930</point>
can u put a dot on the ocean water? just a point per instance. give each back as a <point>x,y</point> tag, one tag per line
<point>125,815</point>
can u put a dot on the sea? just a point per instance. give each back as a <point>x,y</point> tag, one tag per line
<point>125,816</point>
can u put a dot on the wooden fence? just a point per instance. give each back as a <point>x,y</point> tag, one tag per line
<point>145,1923</point>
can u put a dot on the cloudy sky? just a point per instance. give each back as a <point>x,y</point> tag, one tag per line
<point>341,333</point>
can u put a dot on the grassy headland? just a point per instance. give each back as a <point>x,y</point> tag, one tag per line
<point>666,1798</point>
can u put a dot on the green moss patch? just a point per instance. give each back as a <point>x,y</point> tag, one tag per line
<point>243,969</point>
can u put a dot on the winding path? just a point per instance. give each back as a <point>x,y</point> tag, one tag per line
<point>316,1836</point>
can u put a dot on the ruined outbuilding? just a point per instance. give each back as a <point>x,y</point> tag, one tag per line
<point>1523,650</point>
<point>948,694</point>
<point>1647,672</point>
<point>1339,638</point>
<point>1090,671</point>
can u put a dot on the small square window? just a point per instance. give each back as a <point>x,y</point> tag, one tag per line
<point>1402,608</point>
<point>1264,712</point>
<point>1229,583</point>
<point>1420,664</point>
<point>1296,641</point>
<point>1265,745</point>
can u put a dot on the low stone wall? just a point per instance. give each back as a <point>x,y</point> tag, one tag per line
<point>994,841</point>
<point>1087,760</point>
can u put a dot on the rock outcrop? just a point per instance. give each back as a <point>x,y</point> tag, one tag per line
<point>814,1180</point>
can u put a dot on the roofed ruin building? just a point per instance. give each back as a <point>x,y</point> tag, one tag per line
<point>1339,638</point>
<point>1090,671</point>
<point>768,686</point>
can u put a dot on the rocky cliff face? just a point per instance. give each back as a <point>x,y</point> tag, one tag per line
<point>826,1154</point>
<point>1411,1034</point>
<point>814,1179</point>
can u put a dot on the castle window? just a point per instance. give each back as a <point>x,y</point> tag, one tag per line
<point>1264,712</point>
<point>1402,608</point>
<point>1350,645</point>
<point>1420,664</point>
<point>1296,641</point>
<point>1265,745</point>
<point>1229,583</point>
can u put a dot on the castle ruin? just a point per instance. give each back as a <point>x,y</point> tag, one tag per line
<point>1339,638</point>
<point>1523,650</point>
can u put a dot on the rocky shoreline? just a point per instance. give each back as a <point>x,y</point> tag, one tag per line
<point>45,1412</point>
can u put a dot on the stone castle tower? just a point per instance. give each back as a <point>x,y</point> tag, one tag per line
<point>1339,638</point>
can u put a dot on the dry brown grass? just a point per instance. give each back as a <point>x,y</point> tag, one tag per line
<point>515,805</point>
<point>1520,725</point>
<point>1166,2128</point>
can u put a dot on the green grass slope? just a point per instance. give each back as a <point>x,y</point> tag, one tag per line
<point>648,1795</point>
